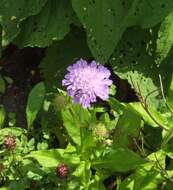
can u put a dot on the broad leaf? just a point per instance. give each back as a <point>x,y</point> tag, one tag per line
<point>127,128</point>
<point>51,158</point>
<point>116,160</point>
<point>72,126</point>
<point>165,38</point>
<point>35,101</point>
<point>12,13</point>
<point>106,21</point>
<point>52,23</point>
<point>47,158</point>
<point>74,119</point>
<point>132,61</point>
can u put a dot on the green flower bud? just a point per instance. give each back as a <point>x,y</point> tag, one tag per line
<point>100,131</point>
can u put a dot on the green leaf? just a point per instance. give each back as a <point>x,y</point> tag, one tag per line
<point>35,101</point>
<point>52,23</point>
<point>138,108</point>
<point>47,158</point>
<point>60,55</point>
<point>168,148</point>
<point>51,158</point>
<point>16,131</point>
<point>165,38</point>
<point>115,160</point>
<point>170,95</point>
<point>106,21</point>
<point>72,126</point>
<point>74,119</point>
<point>2,116</point>
<point>2,85</point>
<point>154,118</point>
<point>127,128</point>
<point>132,60</point>
<point>149,176</point>
<point>11,14</point>
<point>83,172</point>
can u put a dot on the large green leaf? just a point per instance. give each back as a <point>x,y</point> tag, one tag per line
<point>146,177</point>
<point>35,101</point>
<point>62,54</point>
<point>12,13</point>
<point>72,126</point>
<point>51,158</point>
<point>127,128</point>
<point>74,119</point>
<point>52,23</point>
<point>132,61</point>
<point>105,21</point>
<point>165,38</point>
<point>116,160</point>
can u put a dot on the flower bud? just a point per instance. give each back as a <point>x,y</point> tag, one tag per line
<point>62,170</point>
<point>101,131</point>
<point>10,143</point>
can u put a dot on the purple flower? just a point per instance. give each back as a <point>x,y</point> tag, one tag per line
<point>85,81</point>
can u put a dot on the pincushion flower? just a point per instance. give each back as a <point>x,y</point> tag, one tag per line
<point>87,81</point>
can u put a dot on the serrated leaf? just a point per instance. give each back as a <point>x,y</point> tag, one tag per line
<point>165,38</point>
<point>35,101</point>
<point>51,24</point>
<point>11,14</point>
<point>106,21</point>
<point>115,160</point>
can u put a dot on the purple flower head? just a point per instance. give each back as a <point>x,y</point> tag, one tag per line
<point>85,81</point>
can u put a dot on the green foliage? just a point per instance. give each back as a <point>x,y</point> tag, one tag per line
<point>114,160</point>
<point>106,21</point>
<point>51,24</point>
<point>130,141</point>
<point>165,40</point>
<point>35,101</point>
<point>11,14</point>
<point>59,55</point>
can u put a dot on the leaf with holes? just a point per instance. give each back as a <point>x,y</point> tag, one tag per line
<point>11,14</point>
<point>106,21</point>
<point>165,38</point>
<point>52,23</point>
<point>132,61</point>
